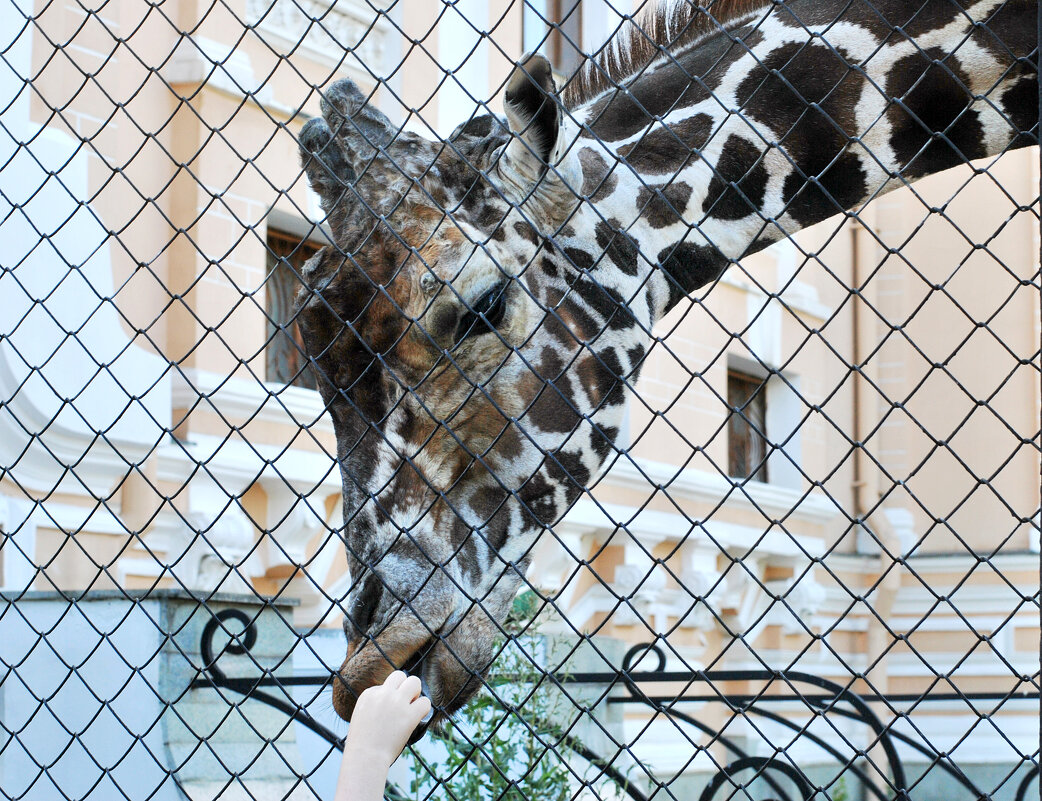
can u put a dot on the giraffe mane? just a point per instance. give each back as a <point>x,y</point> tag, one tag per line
<point>670,26</point>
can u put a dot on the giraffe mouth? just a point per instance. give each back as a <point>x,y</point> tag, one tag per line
<point>414,666</point>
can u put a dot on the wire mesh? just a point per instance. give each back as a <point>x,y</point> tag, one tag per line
<point>672,409</point>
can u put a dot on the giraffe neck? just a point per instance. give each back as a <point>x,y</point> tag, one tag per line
<point>794,114</point>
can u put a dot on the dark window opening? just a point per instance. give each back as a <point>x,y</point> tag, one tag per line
<point>285,360</point>
<point>554,28</point>
<point>747,445</point>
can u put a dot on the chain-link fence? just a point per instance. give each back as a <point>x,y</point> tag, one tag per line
<point>669,404</point>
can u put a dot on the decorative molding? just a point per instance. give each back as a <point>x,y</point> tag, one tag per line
<point>868,564</point>
<point>236,465</point>
<point>291,523</point>
<point>555,561</point>
<point>813,506</point>
<point>241,399</point>
<point>207,554</point>
<point>642,585</point>
<point>324,31</point>
<point>650,527</point>
<point>198,60</point>
<point>799,607</point>
<point>120,390</point>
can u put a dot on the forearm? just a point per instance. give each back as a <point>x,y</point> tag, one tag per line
<point>362,776</point>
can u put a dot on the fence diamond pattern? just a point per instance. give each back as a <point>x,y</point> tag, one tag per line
<point>667,397</point>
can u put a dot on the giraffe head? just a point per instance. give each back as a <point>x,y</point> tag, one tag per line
<point>441,327</point>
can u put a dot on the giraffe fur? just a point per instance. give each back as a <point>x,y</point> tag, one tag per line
<point>490,298</point>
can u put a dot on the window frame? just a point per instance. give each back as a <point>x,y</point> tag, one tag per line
<point>747,426</point>
<point>557,21</point>
<point>285,255</point>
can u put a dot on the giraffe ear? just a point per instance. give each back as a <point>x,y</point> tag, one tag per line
<point>534,115</point>
<point>329,173</point>
<point>539,161</point>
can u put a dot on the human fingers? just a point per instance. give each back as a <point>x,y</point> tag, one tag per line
<point>411,688</point>
<point>394,681</point>
<point>419,709</point>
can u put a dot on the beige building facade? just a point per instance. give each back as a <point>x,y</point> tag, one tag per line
<point>893,546</point>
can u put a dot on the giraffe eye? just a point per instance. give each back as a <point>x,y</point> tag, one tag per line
<point>484,315</point>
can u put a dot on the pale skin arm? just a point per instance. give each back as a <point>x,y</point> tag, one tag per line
<point>381,723</point>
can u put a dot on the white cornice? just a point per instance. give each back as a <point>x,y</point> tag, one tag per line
<point>344,34</point>
<point>868,564</point>
<point>241,399</point>
<point>1002,562</point>
<point>778,503</point>
<point>236,465</point>
<point>650,527</point>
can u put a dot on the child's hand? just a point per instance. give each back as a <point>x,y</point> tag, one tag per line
<point>383,719</point>
<point>385,716</point>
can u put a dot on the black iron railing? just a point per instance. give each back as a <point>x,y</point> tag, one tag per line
<point>824,698</point>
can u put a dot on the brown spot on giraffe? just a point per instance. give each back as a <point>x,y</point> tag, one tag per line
<point>664,204</point>
<point>667,150</point>
<point>599,180</point>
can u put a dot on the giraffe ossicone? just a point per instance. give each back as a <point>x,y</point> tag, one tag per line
<point>489,298</point>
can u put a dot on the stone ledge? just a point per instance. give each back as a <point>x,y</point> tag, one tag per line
<point>159,594</point>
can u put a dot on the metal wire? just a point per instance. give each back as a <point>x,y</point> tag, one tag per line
<point>799,239</point>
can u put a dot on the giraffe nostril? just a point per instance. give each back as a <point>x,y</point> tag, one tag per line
<point>363,610</point>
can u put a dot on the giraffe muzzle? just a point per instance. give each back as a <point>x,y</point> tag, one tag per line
<point>415,667</point>
<point>406,645</point>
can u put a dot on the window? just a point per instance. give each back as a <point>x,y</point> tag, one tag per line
<point>747,446</point>
<point>285,362</point>
<point>554,28</point>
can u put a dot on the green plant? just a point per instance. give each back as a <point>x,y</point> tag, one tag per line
<point>507,744</point>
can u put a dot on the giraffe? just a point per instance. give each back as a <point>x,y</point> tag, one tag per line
<point>489,298</point>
